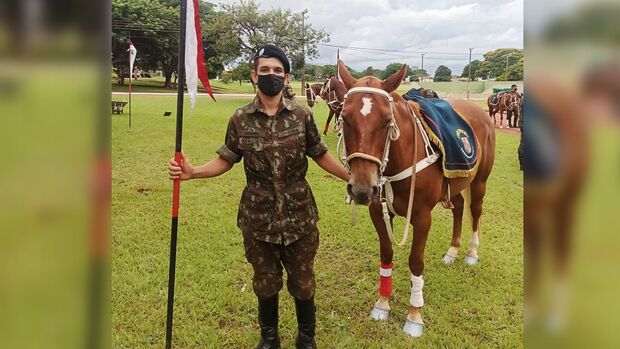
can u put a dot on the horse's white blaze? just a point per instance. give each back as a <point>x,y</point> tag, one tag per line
<point>367,107</point>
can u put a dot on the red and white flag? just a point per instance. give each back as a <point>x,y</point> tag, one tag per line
<point>195,67</point>
<point>132,58</point>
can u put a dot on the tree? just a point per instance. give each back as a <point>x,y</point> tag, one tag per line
<point>220,44</point>
<point>241,72</point>
<point>475,65</point>
<point>282,28</point>
<point>494,64</point>
<point>370,71</point>
<point>393,68</point>
<point>150,24</point>
<point>416,74</point>
<point>154,28</point>
<point>443,73</point>
<point>328,70</point>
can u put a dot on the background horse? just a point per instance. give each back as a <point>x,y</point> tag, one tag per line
<point>312,92</point>
<point>333,92</point>
<point>506,101</point>
<point>370,117</point>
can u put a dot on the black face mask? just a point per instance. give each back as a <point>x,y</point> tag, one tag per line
<point>270,84</point>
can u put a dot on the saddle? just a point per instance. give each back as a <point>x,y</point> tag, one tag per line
<point>496,97</point>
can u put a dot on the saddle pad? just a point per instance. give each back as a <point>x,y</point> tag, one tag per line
<point>451,133</point>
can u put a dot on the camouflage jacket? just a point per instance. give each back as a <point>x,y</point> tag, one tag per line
<point>288,92</point>
<point>277,204</point>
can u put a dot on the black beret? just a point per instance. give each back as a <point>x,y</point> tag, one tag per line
<point>273,51</point>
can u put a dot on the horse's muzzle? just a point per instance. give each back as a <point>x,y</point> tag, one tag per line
<point>362,194</point>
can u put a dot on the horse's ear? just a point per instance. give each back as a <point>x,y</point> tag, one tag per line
<point>307,86</point>
<point>346,77</point>
<point>392,82</point>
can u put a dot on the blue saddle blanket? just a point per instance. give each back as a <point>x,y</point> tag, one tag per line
<point>450,132</point>
<point>495,97</point>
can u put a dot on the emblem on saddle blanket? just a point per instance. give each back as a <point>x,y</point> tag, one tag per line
<point>466,148</point>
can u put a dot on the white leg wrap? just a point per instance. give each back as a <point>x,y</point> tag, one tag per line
<point>417,283</point>
<point>473,244</point>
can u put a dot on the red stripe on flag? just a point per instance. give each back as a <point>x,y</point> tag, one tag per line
<point>202,67</point>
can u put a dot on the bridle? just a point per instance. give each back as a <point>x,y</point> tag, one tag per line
<point>392,135</point>
<point>326,90</point>
<point>510,104</point>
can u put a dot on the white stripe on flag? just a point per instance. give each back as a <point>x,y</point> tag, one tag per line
<point>132,58</point>
<point>191,52</point>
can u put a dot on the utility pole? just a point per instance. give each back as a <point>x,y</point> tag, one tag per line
<point>469,65</point>
<point>302,70</point>
<point>422,54</point>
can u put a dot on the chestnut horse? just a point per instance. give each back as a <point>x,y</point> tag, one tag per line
<point>506,102</point>
<point>312,92</point>
<point>332,92</point>
<point>383,140</point>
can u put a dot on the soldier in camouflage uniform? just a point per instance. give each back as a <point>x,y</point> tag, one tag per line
<point>288,92</point>
<point>277,213</point>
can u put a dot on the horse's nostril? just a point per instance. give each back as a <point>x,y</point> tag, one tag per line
<point>349,187</point>
<point>375,190</point>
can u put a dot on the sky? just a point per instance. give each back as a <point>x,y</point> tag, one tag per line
<point>443,30</point>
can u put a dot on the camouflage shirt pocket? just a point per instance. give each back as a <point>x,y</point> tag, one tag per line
<point>301,206</point>
<point>256,210</point>
<point>250,143</point>
<point>252,147</point>
<point>293,141</point>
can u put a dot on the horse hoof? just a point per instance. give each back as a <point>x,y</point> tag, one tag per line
<point>448,259</point>
<point>412,329</point>
<point>379,314</point>
<point>469,260</point>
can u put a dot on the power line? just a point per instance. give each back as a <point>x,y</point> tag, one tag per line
<point>403,51</point>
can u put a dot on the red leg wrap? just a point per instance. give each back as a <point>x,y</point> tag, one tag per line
<point>385,282</point>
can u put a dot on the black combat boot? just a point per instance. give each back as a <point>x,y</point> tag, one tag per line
<point>306,324</point>
<point>268,321</point>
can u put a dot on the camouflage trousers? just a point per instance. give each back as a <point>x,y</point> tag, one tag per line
<point>268,260</point>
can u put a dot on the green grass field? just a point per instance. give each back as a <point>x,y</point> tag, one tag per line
<point>476,87</point>
<point>466,307</point>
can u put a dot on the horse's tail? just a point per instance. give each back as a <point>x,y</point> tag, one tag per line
<point>467,203</point>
